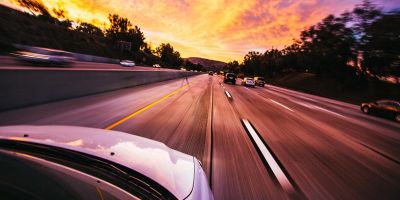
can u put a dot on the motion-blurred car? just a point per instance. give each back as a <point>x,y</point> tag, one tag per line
<point>211,73</point>
<point>53,57</point>
<point>230,78</point>
<point>247,81</point>
<point>385,108</point>
<point>259,81</point>
<point>156,66</point>
<point>127,63</point>
<point>66,162</point>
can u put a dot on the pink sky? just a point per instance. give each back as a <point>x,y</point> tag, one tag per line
<point>218,29</point>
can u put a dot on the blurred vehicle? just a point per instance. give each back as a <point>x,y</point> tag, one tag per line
<point>385,108</point>
<point>211,73</point>
<point>230,77</point>
<point>66,162</point>
<point>127,63</point>
<point>259,81</point>
<point>247,81</point>
<point>156,66</point>
<point>51,57</point>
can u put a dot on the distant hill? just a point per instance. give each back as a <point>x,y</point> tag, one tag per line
<point>207,63</point>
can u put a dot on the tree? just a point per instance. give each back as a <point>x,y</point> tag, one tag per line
<point>381,51</point>
<point>271,63</point>
<point>121,30</point>
<point>147,48</point>
<point>192,66</point>
<point>136,37</point>
<point>89,29</point>
<point>293,58</point>
<point>252,62</point>
<point>168,55</point>
<point>362,17</point>
<point>233,67</point>
<point>329,46</point>
<point>119,27</point>
<point>34,6</point>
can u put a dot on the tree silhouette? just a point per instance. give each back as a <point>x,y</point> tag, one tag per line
<point>168,55</point>
<point>34,6</point>
<point>382,46</point>
<point>121,30</point>
<point>89,29</point>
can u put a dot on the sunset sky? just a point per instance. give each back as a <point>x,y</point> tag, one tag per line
<point>218,29</point>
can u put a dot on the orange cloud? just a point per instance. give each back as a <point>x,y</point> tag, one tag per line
<point>217,29</point>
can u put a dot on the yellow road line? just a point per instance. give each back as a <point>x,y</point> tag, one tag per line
<point>100,193</point>
<point>113,125</point>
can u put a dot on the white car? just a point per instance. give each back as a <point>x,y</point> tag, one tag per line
<point>67,162</point>
<point>156,66</point>
<point>127,63</point>
<point>247,81</point>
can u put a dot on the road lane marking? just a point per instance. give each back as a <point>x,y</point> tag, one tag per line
<point>318,108</point>
<point>124,119</point>
<point>227,94</point>
<point>209,142</point>
<point>101,197</point>
<point>287,108</point>
<point>328,111</point>
<point>272,163</point>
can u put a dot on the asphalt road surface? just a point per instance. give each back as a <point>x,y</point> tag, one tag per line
<point>255,143</point>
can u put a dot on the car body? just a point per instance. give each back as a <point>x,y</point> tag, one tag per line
<point>248,81</point>
<point>211,73</point>
<point>230,78</point>
<point>259,81</point>
<point>124,165</point>
<point>127,63</point>
<point>157,66</point>
<point>50,57</point>
<point>385,108</point>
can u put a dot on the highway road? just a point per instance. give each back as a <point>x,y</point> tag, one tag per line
<point>254,143</point>
<point>9,62</point>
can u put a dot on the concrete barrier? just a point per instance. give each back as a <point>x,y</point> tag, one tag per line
<point>19,88</point>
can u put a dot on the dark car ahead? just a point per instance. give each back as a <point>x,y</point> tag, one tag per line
<point>230,78</point>
<point>385,108</point>
<point>259,81</point>
<point>211,73</point>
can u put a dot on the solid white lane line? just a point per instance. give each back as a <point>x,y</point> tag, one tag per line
<point>287,108</point>
<point>278,172</point>
<point>318,108</point>
<point>228,94</point>
<point>328,111</point>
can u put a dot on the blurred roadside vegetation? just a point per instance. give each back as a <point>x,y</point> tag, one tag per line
<point>42,27</point>
<point>351,57</point>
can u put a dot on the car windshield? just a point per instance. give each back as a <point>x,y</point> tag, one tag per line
<point>260,78</point>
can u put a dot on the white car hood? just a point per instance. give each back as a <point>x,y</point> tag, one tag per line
<point>172,169</point>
